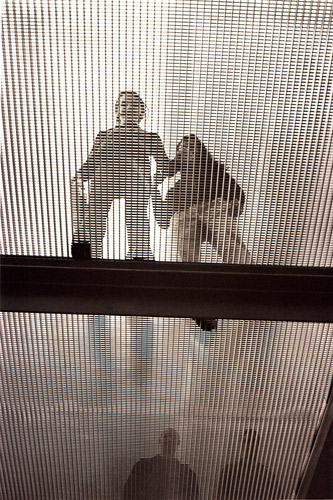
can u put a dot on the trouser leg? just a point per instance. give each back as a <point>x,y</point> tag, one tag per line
<point>189,231</point>
<point>186,231</point>
<point>137,225</point>
<point>223,234</point>
<point>228,244</point>
<point>92,226</point>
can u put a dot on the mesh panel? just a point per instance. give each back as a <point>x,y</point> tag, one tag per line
<point>253,82</point>
<point>87,397</point>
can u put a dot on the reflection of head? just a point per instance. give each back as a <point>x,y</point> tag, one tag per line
<point>250,441</point>
<point>190,150</point>
<point>130,106</point>
<point>169,441</point>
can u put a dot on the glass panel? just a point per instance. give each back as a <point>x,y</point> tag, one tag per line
<point>87,398</point>
<point>251,80</point>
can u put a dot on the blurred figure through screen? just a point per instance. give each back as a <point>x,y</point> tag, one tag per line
<point>247,478</point>
<point>162,477</point>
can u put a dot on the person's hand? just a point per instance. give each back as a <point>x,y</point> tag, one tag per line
<point>77,186</point>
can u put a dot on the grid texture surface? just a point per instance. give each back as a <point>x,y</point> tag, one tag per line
<point>86,397</point>
<point>252,80</point>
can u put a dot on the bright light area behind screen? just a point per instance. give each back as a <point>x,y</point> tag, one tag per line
<point>252,79</point>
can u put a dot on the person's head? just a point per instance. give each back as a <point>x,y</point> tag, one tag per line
<point>249,441</point>
<point>129,108</point>
<point>169,441</point>
<point>191,151</point>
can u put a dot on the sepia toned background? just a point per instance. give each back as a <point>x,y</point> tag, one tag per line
<point>252,79</point>
<point>85,397</point>
<point>88,396</point>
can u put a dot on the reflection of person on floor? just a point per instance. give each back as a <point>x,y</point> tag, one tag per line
<point>201,207</point>
<point>248,478</point>
<point>118,166</point>
<point>162,477</point>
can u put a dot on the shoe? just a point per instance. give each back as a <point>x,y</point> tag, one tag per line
<point>206,324</point>
<point>81,250</point>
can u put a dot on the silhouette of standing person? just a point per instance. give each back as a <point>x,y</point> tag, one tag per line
<point>162,477</point>
<point>118,166</point>
<point>248,478</point>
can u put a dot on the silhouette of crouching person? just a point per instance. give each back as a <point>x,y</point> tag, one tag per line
<point>203,206</point>
<point>118,166</point>
<point>162,477</point>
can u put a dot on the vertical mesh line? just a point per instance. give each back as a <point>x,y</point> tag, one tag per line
<point>294,121</point>
<point>86,399</point>
<point>245,78</point>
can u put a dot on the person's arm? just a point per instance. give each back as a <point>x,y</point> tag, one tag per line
<point>78,195</point>
<point>236,198</point>
<point>164,166</point>
<point>133,485</point>
<point>231,191</point>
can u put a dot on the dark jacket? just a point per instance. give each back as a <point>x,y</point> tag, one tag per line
<point>119,162</point>
<point>198,183</point>
<point>156,478</point>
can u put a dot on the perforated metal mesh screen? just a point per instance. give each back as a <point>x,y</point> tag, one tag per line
<point>86,397</point>
<point>251,79</point>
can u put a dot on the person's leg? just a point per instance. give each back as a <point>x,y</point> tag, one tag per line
<point>81,248</point>
<point>92,226</point>
<point>186,234</point>
<point>189,231</point>
<point>204,234</point>
<point>137,225</point>
<point>223,235</point>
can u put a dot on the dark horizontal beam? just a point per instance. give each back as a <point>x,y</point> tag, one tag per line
<point>58,285</point>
